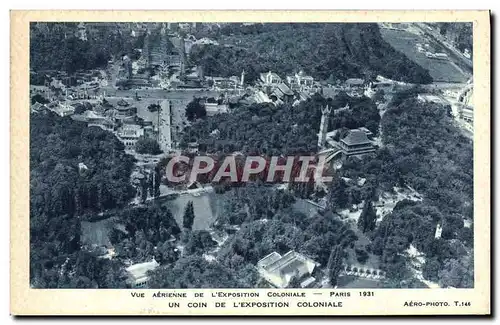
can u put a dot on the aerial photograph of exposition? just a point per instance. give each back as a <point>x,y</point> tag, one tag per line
<point>251,155</point>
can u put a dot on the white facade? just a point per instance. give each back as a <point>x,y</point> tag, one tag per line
<point>300,80</point>
<point>129,134</point>
<point>138,273</point>
<point>439,230</point>
<point>261,97</point>
<point>280,270</point>
<point>65,110</point>
<point>270,78</point>
<point>215,108</point>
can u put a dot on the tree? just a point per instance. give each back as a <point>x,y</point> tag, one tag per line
<point>166,253</point>
<point>294,282</point>
<point>39,99</point>
<point>378,96</point>
<point>188,218</point>
<point>458,273</point>
<point>338,51</point>
<point>431,268</point>
<point>153,107</point>
<point>156,179</point>
<point>195,110</point>
<point>193,272</point>
<point>144,190</point>
<point>199,242</point>
<point>368,218</point>
<point>59,193</point>
<point>337,196</point>
<point>147,146</point>
<point>114,276</point>
<point>335,264</point>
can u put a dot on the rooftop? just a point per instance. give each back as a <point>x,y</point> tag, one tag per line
<point>285,90</point>
<point>269,259</point>
<point>140,270</point>
<point>279,270</point>
<point>354,81</point>
<point>355,137</point>
<point>122,102</point>
<point>365,130</point>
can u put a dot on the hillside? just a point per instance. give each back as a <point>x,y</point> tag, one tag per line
<point>326,51</point>
<point>459,34</point>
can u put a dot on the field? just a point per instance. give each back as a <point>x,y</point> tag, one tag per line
<point>440,70</point>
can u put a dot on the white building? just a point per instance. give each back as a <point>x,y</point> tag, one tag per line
<point>261,97</point>
<point>129,134</point>
<point>37,107</point>
<point>215,108</point>
<point>270,78</point>
<point>467,53</point>
<point>64,109</point>
<point>439,230</point>
<point>280,270</point>
<point>467,113</point>
<point>137,273</point>
<point>205,40</point>
<point>300,81</point>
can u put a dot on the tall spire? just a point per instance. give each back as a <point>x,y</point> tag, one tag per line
<point>242,80</point>
<point>323,126</point>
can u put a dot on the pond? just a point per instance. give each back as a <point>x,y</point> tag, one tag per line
<point>206,207</point>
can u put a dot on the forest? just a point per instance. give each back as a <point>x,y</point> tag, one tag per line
<point>266,222</point>
<point>460,34</point>
<point>424,150</point>
<point>263,129</point>
<point>81,174</point>
<point>74,170</point>
<point>55,46</point>
<point>325,51</point>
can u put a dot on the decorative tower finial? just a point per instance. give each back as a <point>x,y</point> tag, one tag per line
<point>242,80</point>
<point>323,126</point>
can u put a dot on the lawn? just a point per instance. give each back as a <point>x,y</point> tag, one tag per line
<point>349,281</point>
<point>96,233</point>
<point>405,42</point>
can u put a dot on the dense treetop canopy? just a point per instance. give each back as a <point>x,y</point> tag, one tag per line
<point>337,51</point>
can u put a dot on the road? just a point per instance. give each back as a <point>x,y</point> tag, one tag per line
<point>158,93</point>
<point>164,128</point>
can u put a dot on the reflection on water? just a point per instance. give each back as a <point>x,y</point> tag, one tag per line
<point>206,207</point>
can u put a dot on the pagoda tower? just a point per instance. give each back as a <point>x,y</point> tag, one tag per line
<point>323,126</point>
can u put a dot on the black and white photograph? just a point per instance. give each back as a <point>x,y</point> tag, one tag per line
<point>168,155</point>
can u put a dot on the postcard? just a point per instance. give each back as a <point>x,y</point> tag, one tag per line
<point>250,163</point>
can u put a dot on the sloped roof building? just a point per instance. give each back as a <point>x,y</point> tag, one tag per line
<point>138,273</point>
<point>356,142</point>
<point>280,270</point>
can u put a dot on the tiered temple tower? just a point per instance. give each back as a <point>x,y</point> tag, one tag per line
<point>323,126</point>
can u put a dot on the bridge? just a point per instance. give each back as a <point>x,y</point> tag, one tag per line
<point>330,153</point>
